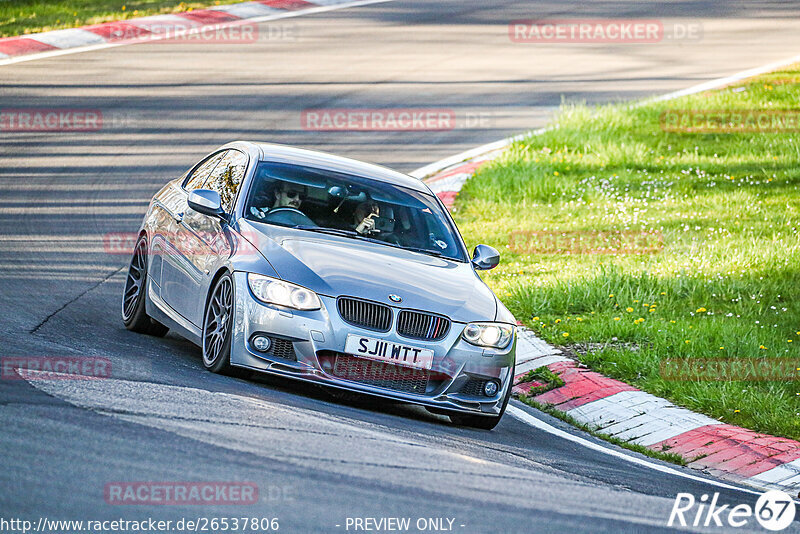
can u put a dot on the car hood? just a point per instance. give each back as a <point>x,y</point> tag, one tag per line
<point>334,266</point>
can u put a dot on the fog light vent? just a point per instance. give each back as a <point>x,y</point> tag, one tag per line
<point>479,387</point>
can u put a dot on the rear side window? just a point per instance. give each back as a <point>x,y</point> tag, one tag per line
<point>226,178</point>
<point>201,173</point>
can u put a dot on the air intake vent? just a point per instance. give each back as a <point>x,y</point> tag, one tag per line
<point>381,374</point>
<point>473,387</point>
<point>366,314</point>
<point>419,325</point>
<point>282,348</point>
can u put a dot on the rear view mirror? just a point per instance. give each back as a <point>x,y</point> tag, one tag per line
<point>207,202</point>
<point>344,194</point>
<point>337,192</point>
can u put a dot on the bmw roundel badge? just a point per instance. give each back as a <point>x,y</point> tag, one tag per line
<point>395,298</point>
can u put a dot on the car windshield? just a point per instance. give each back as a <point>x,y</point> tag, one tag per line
<point>320,200</point>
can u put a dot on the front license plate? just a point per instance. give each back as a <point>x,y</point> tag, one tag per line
<point>386,351</point>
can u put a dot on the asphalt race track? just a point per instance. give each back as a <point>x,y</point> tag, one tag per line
<point>316,460</point>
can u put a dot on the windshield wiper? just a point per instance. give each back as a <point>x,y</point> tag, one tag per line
<point>421,250</point>
<point>332,231</point>
<point>426,251</point>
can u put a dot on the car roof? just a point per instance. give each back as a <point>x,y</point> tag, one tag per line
<point>313,158</point>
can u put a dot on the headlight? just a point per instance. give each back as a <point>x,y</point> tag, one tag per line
<point>274,291</point>
<point>493,335</point>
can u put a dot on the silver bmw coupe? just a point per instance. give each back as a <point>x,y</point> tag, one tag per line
<point>325,269</point>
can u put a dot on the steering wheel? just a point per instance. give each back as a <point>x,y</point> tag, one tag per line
<point>289,216</point>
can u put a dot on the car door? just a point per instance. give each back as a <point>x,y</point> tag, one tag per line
<point>202,238</point>
<point>174,262</point>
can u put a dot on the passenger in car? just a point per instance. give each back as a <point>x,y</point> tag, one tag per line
<point>365,215</point>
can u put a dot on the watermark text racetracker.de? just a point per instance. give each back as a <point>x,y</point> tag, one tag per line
<point>21,120</point>
<point>623,31</point>
<point>179,244</point>
<point>730,121</point>
<point>586,242</point>
<point>187,32</point>
<point>181,493</point>
<point>730,369</point>
<point>394,119</point>
<point>387,119</point>
<point>50,120</point>
<point>54,368</point>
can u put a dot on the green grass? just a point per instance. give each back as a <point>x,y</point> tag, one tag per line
<point>19,17</point>
<point>546,377</point>
<point>726,283</point>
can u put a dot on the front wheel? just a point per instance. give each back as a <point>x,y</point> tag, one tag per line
<point>218,328</point>
<point>134,316</point>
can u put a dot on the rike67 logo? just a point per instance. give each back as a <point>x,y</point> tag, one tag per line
<point>774,510</point>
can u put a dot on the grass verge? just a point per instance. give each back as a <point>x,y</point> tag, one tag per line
<point>690,247</point>
<point>544,376</point>
<point>21,17</point>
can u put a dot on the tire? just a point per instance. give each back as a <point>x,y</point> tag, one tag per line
<point>484,422</point>
<point>134,316</point>
<point>218,328</point>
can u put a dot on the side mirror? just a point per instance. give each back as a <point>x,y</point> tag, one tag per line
<point>207,202</point>
<point>485,257</point>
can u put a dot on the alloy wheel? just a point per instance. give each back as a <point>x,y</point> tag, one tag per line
<point>217,323</point>
<point>135,281</point>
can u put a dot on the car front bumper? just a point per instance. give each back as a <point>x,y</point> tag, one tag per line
<point>309,346</point>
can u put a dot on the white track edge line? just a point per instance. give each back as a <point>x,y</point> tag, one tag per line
<point>527,418</point>
<point>254,20</point>
<point>719,82</point>
<point>436,166</point>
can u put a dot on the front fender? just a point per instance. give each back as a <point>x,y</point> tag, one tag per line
<point>245,255</point>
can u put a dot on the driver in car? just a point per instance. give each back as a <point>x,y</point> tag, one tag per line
<point>289,196</point>
<point>286,195</point>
